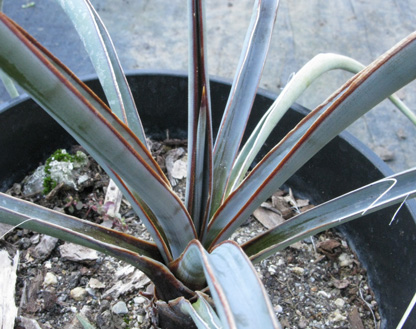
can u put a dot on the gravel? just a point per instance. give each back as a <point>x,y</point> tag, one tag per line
<point>315,283</point>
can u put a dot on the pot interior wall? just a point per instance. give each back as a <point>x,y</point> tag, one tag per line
<point>388,252</point>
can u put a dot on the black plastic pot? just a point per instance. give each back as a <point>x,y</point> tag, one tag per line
<point>388,252</point>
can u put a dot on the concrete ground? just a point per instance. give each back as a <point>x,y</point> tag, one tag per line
<point>153,35</point>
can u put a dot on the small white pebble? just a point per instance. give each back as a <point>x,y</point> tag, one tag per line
<point>78,293</point>
<point>140,318</point>
<point>298,270</point>
<point>96,284</point>
<point>272,269</point>
<point>139,300</point>
<point>339,302</point>
<point>344,260</point>
<point>278,309</point>
<point>120,308</point>
<point>50,279</point>
<point>336,316</point>
<point>323,294</point>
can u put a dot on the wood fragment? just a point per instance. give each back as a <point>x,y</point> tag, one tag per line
<point>8,309</point>
<point>267,218</point>
<point>355,320</point>
<point>113,199</point>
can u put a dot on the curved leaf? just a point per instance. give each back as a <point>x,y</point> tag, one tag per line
<point>137,203</point>
<point>243,92</point>
<point>96,133</point>
<point>9,85</point>
<point>365,200</point>
<point>389,73</point>
<point>95,231</point>
<point>311,71</point>
<point>96,102</point>
<point>239,296</point>
<point>77,232</point>
<point>202,313</point>
<point>100,49</point>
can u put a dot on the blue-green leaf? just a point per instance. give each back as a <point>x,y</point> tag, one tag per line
<point>200,143</point>
<point>100,49</point>
<point>380,79</point>
<point>202,313</point>
<point>23,214</point>
<point>239,296</point>
<point>243,92</point>
<point>100,135</point>
<point>365,200</point>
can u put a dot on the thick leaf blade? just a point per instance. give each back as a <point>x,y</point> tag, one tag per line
<point>240,298</point>
<point>242,94</point>
<point>383,77</point>
<point>201,312</point>
<point>137,203</point>
<point>100,49</point>
<point>168,286</point>
<point>9,85</point>
<point>92,99</point>
<point>311,71</point>
<point>95,231</point>
<point>378,195</point>
<point>200,142</point>
<point>94,132</point>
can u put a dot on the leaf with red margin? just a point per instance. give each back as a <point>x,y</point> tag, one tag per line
<point>122,246</point>
<point>365,200</point>
<point>99,134</point>
<point>380,79</point>
<point>243,92</point>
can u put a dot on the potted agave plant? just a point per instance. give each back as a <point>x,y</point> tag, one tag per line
<point>190,251</point>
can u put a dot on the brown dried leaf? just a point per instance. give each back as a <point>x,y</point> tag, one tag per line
<point>328,245</point>
<point>268,218</point>
<point>281,204</point>
<point>355,320</point>
<point>341,284</point>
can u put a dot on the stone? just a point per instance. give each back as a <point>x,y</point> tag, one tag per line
<point>172,157</point>
<point>78,293</point>
<point>120,308</point>
<point>8,309</point>
<point>104,320</point>
<point>50,279</point>
<point>298,270</point>
<point>77,253</point>
<point>127,279</point>
<point>34,183</point>
<point>344,260</point>
<point>323,294</point>
<point>339,302</point>
<point>27,323</point>
<point>278,309</point>
<point>44,248</point>
<point>336,316</point>
<point>139,300</point>
<point>140,318</point>
<point>179,169</point>
<point>96,284</point>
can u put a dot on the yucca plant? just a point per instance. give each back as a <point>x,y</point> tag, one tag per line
<point>191,259</point>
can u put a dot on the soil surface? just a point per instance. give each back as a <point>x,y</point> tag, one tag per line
<point>315,283</point>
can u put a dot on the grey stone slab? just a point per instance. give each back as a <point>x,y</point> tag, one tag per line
<point>153,34</point>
